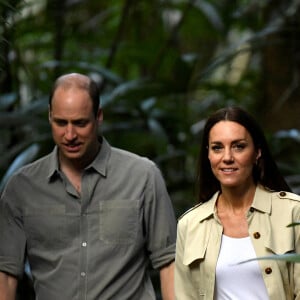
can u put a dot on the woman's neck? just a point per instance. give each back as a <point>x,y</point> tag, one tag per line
<point>236,199</point>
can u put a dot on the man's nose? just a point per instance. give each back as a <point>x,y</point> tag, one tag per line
<point>70,132</point>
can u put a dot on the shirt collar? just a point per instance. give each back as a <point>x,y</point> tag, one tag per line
<point>101,160</point>
<point>53,163</point>
<point>99,163</point>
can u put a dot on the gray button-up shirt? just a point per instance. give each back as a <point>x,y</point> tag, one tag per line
<point>96,245</point>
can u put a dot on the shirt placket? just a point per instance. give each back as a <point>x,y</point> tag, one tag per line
<point>89,182</point>
<point>83,270</point>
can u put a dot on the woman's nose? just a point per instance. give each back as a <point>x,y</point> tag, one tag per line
<point>228,157</point>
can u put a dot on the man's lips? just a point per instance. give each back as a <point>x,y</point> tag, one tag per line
<point>72,147</point>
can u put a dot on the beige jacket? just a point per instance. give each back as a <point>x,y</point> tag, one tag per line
<point>199,237</point>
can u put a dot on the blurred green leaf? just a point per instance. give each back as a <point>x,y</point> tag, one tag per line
<point>7,100</point>
<point>26,156</point>
<point>291,257</point>
<point>293,224</point>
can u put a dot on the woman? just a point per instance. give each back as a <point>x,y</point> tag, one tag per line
<point>244,208</point>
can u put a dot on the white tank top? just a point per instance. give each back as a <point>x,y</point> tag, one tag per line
<point>238,282</point>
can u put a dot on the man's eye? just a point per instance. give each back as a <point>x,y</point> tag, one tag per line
<point>81,123</point>
<point>60,123</point>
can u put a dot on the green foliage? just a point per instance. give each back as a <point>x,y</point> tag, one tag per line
<point>164,66</point>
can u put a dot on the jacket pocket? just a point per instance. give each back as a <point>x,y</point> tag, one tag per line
<point>280,242</point>
<point>194,256</point>
<point>196,243</point>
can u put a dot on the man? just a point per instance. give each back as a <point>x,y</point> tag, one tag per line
<point>89,217</point>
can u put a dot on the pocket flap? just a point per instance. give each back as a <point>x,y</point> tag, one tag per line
<point>196,243</point>
<point>280,245</point>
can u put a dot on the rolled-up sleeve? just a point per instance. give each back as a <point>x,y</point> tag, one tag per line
<point>12,236</point>
<point>160,222</point>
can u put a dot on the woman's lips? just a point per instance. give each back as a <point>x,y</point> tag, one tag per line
<point>228,170</point>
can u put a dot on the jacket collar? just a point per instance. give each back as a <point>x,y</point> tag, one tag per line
<point>261,202</point>
<point>209,206</point>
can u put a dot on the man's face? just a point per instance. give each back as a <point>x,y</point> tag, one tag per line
<point>74,125</point>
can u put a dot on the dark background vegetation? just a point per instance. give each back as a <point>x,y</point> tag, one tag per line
<point>163,65</point>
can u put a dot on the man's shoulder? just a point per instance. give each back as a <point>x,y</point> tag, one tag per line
<point>123,156</point>
<point>122,161</point>
<point>130,157</point>
<point>31,172</point>
<point>40,165</point>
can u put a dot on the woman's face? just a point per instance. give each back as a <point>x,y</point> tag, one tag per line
<point>232,154</point>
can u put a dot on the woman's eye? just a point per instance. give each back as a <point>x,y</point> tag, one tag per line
<point>216,148</point>
<point>239,147</point>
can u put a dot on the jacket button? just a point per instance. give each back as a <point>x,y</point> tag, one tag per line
<point>268,270</point>
<point>256,235</point>
<point>282,194</point>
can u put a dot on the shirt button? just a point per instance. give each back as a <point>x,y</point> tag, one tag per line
<point>282,194</point>
<point>268,270</point>
<point>252,209</point>
<point>82,274</point>
<point>256,235</point>
<point>84,244</point>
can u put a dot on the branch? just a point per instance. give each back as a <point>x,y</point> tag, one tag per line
<point>168,43</point>
<point>117,39</point>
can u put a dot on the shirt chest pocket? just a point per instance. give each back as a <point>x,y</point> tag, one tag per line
<point>118,221</point>
<point>45,227</point>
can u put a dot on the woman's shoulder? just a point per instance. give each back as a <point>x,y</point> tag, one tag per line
<point>199,212</point>
<point>264,191</point>
<point>286,195</point>
<point>202,210</point>
<point>193,210</point>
